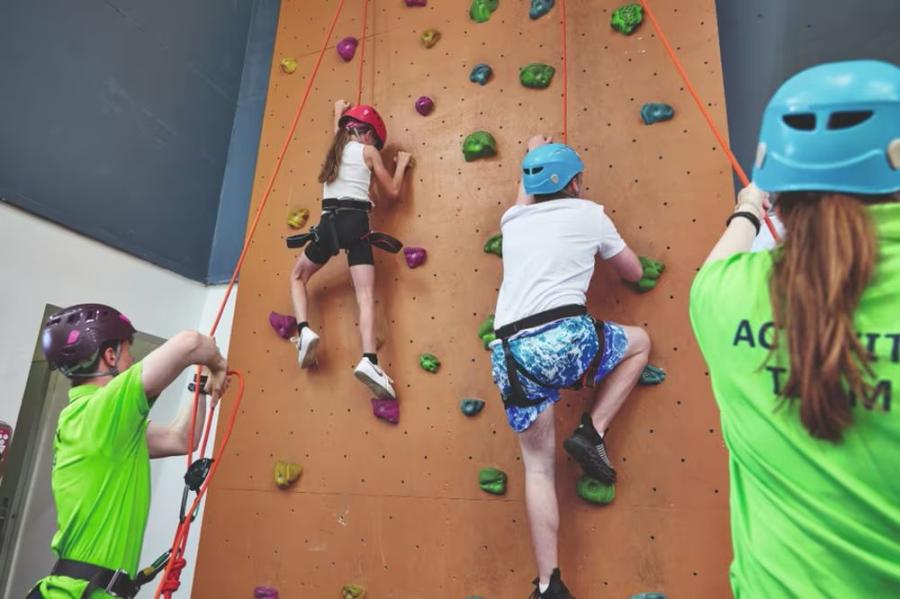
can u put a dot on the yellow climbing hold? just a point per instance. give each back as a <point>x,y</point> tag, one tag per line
<point>287,473</point>
<point>297,218</point>
<point>353,591</point>
<point>288,65</point>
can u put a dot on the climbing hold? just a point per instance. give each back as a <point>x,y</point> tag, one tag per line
<point>265,593</point>
<point>494,245</point>
<point>430,37</point>
<point>471,407</point>
<point>416,2</point>
<point>654,112</point>
<point>626,18</point>
<point>594,491</point>
<point>284,324</point>
<point>386,409</point>
<point>481,10</point>
<point>651,375</point>
<point>481,73</point>
<point>415,256</point>
<point>424,105</point>
<point>653,269</point>
<point>346,48</point>
<point>486,331</point>
<point>539,8</point>
<point>648,596</point>
<point>288,65</point>
<point>480,144</point>
<point>297,218</point>
<point>536,75</point>
<point>429,362</point>
<point>287,473</point>
<point>353,591</point>
<point>492,480</point>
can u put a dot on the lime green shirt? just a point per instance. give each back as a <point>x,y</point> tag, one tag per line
<point>809,518</point>
<point>101,479</point>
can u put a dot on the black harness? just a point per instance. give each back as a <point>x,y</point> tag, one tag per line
<point>116,583</point>
<point>326,235</point>
<point>516,395</point>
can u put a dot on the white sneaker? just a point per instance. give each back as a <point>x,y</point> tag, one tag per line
<point>307,342</point>
<point>375,379</point>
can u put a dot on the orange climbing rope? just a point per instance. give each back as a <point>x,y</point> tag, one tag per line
<point>712,125</point>
<point>565,75</point>
<point>171,575</point>
<point>362,52</point>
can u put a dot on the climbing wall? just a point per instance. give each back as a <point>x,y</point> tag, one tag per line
<point>398,509</point>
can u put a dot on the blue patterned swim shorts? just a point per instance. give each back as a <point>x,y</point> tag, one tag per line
<point>558,353</point>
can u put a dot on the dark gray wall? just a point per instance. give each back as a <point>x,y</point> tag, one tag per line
<point>766,41</point>
<point>116,118</point>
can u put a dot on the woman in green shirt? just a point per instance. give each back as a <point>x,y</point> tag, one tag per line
<point>803,342</point>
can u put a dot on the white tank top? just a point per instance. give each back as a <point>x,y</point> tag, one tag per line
<point>353,177</point>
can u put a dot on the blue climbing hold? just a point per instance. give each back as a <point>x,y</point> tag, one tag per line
<point>654,112</point>
<point>539,8</point>
<point>481,74</point>
<point>649,596</point>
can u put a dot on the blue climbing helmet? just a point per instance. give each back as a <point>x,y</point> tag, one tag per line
<point>549,168</point>
<point>833,127</point>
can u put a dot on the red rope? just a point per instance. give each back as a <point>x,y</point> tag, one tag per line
<point>745,181</point>
<point>565,75</point>
<point>171,574</point>
<point>362,51</point>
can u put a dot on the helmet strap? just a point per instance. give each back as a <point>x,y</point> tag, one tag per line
<point>113,371</point>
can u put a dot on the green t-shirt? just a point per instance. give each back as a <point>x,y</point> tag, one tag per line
<point>101,479</point>
<point>808,518</point>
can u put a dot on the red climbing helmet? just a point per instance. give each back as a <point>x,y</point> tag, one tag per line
<point>367,115</point>
<point>72,337</point>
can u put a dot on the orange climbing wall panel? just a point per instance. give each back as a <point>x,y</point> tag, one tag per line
<point>397,508</point>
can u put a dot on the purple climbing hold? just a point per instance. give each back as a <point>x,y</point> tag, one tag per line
<point>416,2</point>
<point>284,325</point>
<point>415,256</point>
<point>386,409</point>
<point>424,105</point>
<point>347,48</point>
<point>265,593</point>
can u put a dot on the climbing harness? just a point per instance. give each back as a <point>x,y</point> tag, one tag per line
<point>112,582</point>
<point>325,234</point>
<point>514,368</point>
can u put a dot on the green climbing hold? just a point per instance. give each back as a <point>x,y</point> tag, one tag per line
<point>654,112</point>
<point>429,362</point>
<point>482,9</point>
<point>353,591</point>
<point>626,18</point>
<point>471,407</point>
<point>653,269</point>
<point>652,375</point>
<point>594,491</point>
<point>536,75</point>
<point>492,480</point>
<point>486,331</point>
<point>494,245</point>
<point>480,144</point>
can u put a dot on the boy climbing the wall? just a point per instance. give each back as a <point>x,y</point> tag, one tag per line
<point>546,340</point>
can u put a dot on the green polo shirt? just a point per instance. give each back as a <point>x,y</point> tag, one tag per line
<point>809,518</point>
<point>101,479</point>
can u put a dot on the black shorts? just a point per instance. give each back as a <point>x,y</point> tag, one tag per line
<point>351,227</point>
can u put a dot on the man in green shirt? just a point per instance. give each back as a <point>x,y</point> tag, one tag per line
<point>104,443</point>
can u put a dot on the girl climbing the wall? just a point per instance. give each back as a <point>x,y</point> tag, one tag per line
<point>803,345</point>
<point>351,162</point>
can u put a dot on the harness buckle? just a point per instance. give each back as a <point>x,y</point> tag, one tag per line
<point>113,581</point>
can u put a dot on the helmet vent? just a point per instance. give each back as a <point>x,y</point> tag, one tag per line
<point>533,171</point>
<point>847,119</point>
<point>804,122</point>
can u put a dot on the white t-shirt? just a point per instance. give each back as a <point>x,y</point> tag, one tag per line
<point>353,177</point>
<point>549,251</point>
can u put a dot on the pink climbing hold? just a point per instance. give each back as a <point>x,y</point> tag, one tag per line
<point>386,409</point>
<point>284,325</point>
<point>347,48</point>
<point>265,593</point>
<point>416,2</point>
<point>424,105</point>
<point>415,256</point>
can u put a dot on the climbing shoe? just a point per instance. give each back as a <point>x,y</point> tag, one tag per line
<point>556,590</point>
<point>586,446</point>
<point>307,342</point>
<point>375,379</point>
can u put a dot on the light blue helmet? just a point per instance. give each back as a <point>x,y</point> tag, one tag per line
<point>833,127</point>
<point>549,168</point>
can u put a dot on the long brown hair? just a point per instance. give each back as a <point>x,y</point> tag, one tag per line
<point>332,162</point>
<point>818,278</point>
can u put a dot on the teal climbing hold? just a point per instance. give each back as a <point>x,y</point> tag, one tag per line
<point>655,112</point>
<point>471,407</point>
<point>481,10</point>
<point>494,245</point>
<point>653,269</point>
<point>652,375</point>
<point>536,75</point>
<point>479,144</point>
<point>486,331</point>
<point>481,73</point>
<point>492,480</point>
<point>626,18</point>
<point>648,596</point>
<point>594,491</point>
<point>539,8</point>
<point>430,363</point>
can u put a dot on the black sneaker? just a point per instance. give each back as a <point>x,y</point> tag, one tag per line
<point>586,446</point>
<point>556,590</point>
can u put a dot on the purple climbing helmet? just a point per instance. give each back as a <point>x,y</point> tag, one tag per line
<point>72,337</point>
